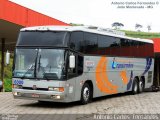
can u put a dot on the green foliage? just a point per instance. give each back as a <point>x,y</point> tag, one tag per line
<point>7,74</point>
<point>8,85</point>
<point>146,35</point>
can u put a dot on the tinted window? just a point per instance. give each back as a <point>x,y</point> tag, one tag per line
<point>95,44</point>
<point>115,47</point>
<point>146,50</point>
<point>104,43</point>
<point>126,49</point>
<point>90,43</point>
<point>132,48</point>
<point>108,45</point>
<point>77,42</point>
<point>80,65</point>
<point>43,39</point>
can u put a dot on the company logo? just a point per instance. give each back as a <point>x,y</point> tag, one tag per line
<point>18,82</point>
<point>118,64</point>
<point>90,64</point>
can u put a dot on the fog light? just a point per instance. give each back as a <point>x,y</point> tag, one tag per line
<point>55,97</point>
<point>16,93</point>
<point>58,96</point>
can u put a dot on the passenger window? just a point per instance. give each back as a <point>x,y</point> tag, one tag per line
<point>77,42</point>
<point>91,43</point>
<point>80,65</point>
<point>104,45</point>
<point>126,47</point>
<point>115,47</point>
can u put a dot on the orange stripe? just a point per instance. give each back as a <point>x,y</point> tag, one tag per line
<point>103,82</point>
<point>123,75</point>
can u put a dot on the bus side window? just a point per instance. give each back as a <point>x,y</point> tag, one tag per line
<point>91,43</point>
<point>80,65</point>
<point>126,47</point>
<point>77,42</point>
<point>115,48</point>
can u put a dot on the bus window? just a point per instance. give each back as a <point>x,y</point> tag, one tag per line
<point>125,47</point>
<point>90,43</point>
<point>80,65</point>
<point>115,46</point>
<point>104,45</point>
<point>135,48</point>
<point>76,42</point>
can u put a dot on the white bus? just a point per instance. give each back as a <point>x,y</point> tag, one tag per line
<point>70,63</point>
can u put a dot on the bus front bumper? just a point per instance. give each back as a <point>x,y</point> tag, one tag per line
<point>40,95</point>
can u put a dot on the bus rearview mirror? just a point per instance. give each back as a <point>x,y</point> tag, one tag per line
<point>7,57</point>
<point>72,61</point>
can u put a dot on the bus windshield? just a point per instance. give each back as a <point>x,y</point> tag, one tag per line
<point>40,64</point>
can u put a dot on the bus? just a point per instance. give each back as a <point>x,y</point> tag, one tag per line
<point>78,63</point>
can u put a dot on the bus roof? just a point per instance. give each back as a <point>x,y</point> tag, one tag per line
<point>91,29</point>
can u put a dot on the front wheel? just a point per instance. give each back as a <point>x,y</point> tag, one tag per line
<point>85,94</point>
<point>135,86</point>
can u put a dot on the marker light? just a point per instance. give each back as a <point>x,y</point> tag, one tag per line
<point>58,89</point>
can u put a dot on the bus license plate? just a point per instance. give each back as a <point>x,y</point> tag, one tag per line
<point>35,95</point>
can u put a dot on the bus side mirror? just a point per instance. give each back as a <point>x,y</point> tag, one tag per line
<point>72,61</point>
<point>7,58</point>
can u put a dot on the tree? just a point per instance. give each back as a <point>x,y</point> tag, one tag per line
<point>75,24</point>
<point>138,27</point>
<point>117,25</point>
<point>149,28</point>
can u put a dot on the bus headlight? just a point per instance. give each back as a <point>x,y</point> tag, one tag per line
<point>58,89</point>
<point>16,93</point>
<point>17,86</point>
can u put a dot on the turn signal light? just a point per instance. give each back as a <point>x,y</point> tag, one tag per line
<point>58,89</point>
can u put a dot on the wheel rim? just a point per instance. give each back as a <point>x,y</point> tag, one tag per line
<point>135,87</point>
<point>141,85</point>
<point>86,93</point>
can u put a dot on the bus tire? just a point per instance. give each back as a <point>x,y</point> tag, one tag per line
<point>135,86</point>
<point>85,94</point>
<point>141,85</point>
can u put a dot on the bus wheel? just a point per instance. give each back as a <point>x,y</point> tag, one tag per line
<point>85,94</point>
<point>135,86</point>
<point>141,85</point>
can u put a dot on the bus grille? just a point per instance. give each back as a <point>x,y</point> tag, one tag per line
<point>30,88</point>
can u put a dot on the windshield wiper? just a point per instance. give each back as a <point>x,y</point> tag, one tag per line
<point>30,68</point>
<point>34,64</point>
<point>39,66</point>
